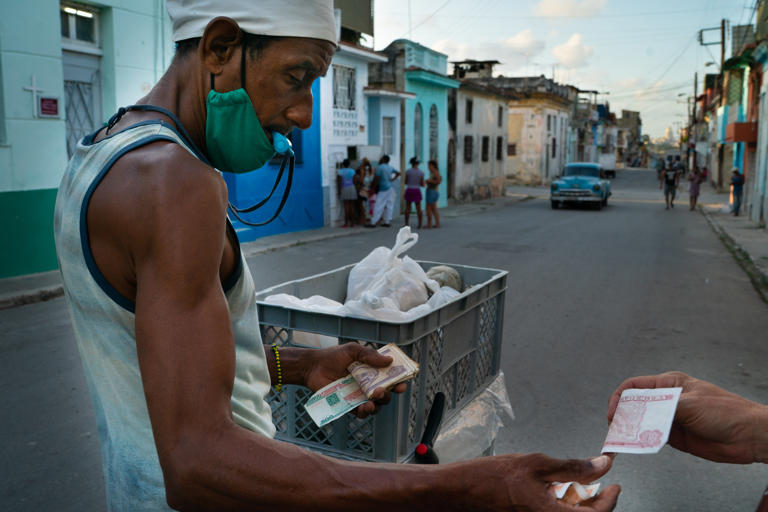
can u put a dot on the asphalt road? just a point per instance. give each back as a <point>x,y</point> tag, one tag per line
<point>593,298</point>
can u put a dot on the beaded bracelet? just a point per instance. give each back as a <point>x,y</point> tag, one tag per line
<point>279,386</point>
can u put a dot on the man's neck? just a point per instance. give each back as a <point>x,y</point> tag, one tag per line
<point>181,91</point>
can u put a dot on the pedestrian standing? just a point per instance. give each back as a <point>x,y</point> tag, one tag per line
<point>670,179</point>
<point>370,192</point>
<point>385,195</point>
<point>433,195</point>
<point>362,191</point>
<point>737,182</point>
<point>345,186</point>
<point>696,178</point>
<point>414,180</point>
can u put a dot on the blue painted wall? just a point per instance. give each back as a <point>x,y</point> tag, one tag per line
<point>304,207</point>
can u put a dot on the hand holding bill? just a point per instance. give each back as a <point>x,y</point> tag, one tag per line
<point>710,422</point>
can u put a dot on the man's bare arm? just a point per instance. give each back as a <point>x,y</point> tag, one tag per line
<point>186,356</point>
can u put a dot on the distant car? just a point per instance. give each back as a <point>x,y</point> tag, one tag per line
<point>581,183</point>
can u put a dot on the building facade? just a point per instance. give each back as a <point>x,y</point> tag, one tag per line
<point>418,70</point>
<point>64,69</point>
<point>478,122</point>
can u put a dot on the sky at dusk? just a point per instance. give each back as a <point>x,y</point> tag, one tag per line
<point>643,53</point>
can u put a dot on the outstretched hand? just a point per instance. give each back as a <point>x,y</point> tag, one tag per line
<point>710,422</point>
<point>523,482</point>
<point>331,364</point>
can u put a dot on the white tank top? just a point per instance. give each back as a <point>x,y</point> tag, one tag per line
<point>104,325</point>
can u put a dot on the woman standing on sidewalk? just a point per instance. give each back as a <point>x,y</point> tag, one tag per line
<point>432,194</point>
<point>414,180</point>
<point>696,178</point>
<point>345,186</point>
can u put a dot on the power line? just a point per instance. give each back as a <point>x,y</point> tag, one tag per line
<point>426,19</point>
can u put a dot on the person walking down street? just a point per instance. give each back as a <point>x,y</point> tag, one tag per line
<point>345,186</point>
<point>414,180</point>
<point>433,195</point>
<point>696,178</point>
<point>670,179</point>
<point>737,182</point>
<point>385,198</point>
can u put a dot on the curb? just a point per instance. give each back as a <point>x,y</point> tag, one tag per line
<point>32,297</point>
<point>756,276</point>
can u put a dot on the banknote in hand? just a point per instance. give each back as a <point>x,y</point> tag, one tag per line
<point>402,369</point>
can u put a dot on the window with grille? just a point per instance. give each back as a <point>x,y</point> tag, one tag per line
<point>343,87</point>
<point>554,147</point>
<point>499,148</point>
<point>417,131</point>
<point>79,25</point>
<point>511,149</point>
<point>468,149</point>
<point>485,147</point>
<point>433,133</point>
<point>388,135</point>
<point>501,116</point>
<point>469,111</point>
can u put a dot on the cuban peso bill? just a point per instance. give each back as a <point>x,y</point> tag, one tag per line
<point>642,420</point>
<point>334,400</point>
<point>402,369</point>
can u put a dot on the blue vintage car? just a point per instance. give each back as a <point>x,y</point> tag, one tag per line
<point>581,183</point>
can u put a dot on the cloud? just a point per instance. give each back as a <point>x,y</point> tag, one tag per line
<point>568,8</point>
<point>514,52</point>
<point>573,53</point>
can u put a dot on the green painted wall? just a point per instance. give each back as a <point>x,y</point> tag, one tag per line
<point>26,227</point>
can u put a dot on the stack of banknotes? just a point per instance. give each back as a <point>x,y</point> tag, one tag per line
<point>343,395</point>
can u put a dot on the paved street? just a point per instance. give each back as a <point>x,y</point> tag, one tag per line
<point>594,297</point>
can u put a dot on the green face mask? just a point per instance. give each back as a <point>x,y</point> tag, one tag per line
<point>234,137</point>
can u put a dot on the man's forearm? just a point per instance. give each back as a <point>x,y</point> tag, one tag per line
<point>760,433</point>
<point>243,471</point>
<point>294,364</point>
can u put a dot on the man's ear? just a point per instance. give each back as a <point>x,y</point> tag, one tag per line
<point>221,38</point>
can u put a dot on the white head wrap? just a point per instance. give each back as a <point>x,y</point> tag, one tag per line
<point>287,18</point>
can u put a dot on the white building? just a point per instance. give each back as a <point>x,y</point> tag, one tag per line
<point>478,120</point>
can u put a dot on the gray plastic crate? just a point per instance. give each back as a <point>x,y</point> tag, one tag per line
<point>457,346</point>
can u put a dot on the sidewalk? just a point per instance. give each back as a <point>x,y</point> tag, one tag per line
<point>744,238</point>
<point>32,288</point>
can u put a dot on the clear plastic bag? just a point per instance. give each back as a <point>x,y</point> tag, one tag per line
<point>472,432</point>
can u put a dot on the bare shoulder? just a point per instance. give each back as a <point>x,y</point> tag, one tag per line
<point>157,198</point>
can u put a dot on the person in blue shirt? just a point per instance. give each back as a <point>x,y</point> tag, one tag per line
<point>345,186</point>
<point>737,182</point>
<point>385,197</point>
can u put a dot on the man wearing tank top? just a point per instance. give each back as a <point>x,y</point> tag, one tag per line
<point>163,304</point>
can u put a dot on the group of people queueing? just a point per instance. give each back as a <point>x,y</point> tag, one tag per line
<point>368,195</point>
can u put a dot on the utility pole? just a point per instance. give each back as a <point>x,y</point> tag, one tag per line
<point>722,46</point>
<point>692,134</point>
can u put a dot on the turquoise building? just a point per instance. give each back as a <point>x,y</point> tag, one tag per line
<point>64,68</point>
<point>418,70</point>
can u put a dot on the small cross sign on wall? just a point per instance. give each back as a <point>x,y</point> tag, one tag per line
<point>34,90</point>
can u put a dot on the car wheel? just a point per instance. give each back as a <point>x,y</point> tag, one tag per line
<point>555,205</point>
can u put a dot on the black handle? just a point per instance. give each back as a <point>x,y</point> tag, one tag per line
<point>424,452</point>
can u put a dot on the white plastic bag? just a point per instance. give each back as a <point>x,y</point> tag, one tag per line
<point>384,275</point>
<point>315,303</point>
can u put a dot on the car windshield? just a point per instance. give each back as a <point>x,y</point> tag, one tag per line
<point>582,170</point>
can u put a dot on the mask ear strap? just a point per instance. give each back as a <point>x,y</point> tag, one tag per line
<point>242,64</point>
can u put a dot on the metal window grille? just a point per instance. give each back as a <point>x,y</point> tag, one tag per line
<point>343,87</point>
<point>499,148</point>
<point>417,131</point>
<point>80,112</point>
<point>433,132</point>
<point>468,141</point>
<point>486,144</point>
<point>511,149</point>
<point>388,135</point>
<point>469,112</point>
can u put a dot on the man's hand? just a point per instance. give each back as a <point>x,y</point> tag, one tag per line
<point>331,364</point>
<point>522,482</point>
<point>710,422</point>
